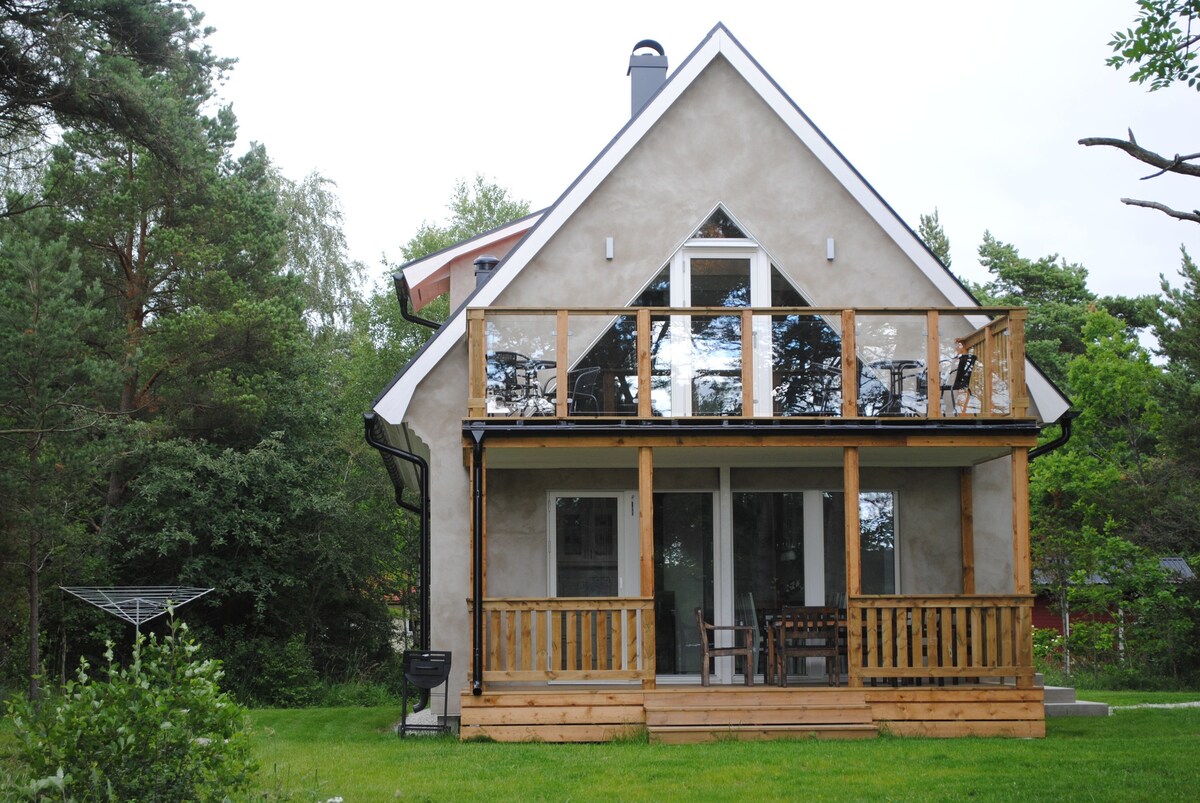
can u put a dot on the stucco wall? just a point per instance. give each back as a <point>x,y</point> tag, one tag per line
<point>992,490</point>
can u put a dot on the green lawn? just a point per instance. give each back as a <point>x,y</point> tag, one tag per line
<point>1137,697</point>
<point>352,753</point>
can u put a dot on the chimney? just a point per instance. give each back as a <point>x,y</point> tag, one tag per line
<point>647,72</point>
<point>483,269</point>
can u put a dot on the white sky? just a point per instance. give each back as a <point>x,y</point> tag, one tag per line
<point>972,108</point>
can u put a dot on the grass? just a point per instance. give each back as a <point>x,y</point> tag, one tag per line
<point>1137,697</point>
<point>353,753</point>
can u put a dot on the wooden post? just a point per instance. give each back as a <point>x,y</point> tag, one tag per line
<point>476,364</point>
<point>747,362</point>
<point>562,358</point>
<point>933,371</point>
<point>967,508</point>
<point>645,408</point>
<point>849,366</point>
<point>1020,496</point>
<point>1018,392</point>
<point>850,485</point>
<point>646,546</point>
<point>987,404</point>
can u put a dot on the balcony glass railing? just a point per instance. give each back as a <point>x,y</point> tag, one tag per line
<point>747,362</point>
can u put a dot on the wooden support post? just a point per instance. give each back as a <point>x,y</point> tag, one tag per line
<point>1018,392</point>
<point>850,486</point>
<point>646,548</point>
<point>849,366</point>
<point>1020,497</point>
<point>476,364</point>
<point>747,362</point>
<point>645,408</point>
<point>987,403</point>
<point>562,358</point>
<point>967,507</point>
<point>933,370</point>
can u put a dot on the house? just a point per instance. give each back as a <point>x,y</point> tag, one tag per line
<point>719,372</point>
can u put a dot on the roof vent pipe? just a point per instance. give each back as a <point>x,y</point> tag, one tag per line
<point>484,266</point>
<point>647,73</point>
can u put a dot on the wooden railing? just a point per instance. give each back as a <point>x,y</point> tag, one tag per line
<point>596,639</point>
<point>919,639</point>
<point>548,349</point>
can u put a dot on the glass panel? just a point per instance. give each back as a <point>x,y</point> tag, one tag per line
<point>716,365</point>
<point>891,353</point>
<point>806,366</point>
<point>657,293</point>
<point>718,226</point>
<point>520,361</point>
<point>683,577</point>
<point>603,374</point>
<point>768,552</point>
<point>876,512</point>
<point>585,544</point>
<point>720,281</point>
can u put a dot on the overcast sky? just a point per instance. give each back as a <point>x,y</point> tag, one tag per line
<point>972,108</point>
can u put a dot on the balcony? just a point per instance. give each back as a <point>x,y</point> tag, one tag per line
<point>768,362</point>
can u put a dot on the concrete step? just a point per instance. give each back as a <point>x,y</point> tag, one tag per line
<point>1077,708</point>
<point>1059,694</point>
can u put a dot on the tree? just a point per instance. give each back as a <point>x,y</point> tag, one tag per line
<point>475,208</point>
<point>934,236</point>
<point>1165,54</point>
<point>114,67</point>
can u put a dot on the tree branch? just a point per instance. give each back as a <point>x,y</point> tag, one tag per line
<point>1193,216</point>
<point>1177,164</point>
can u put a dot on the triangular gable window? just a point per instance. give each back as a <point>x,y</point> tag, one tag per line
<point>719,226</point>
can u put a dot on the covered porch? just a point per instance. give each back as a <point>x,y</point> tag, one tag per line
<point>943,653</point>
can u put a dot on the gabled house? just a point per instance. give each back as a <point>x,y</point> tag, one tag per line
<point>719,373</point>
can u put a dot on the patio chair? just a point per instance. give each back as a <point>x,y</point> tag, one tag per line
<point>804,632</point>
<point>582,394</point>
<point>959,381</point>
<point>709,650</point>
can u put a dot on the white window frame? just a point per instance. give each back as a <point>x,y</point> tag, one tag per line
<point>628,568</point>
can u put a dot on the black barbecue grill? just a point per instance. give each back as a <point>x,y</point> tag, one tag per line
<point>425,670</point>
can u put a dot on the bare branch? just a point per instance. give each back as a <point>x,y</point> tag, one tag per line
<point>1177,164</point>
<point>1193,216</point>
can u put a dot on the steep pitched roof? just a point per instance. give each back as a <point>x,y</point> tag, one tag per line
<point>393,402</point>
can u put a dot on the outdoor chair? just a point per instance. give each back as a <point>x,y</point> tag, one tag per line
<point>804,632</point>
<point>960,381</point>
<point>709,650</point>
<point>582,394</point>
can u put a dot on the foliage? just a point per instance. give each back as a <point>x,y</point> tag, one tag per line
<point>474,209</point>
<point>1161,50</point>
<point>934,236</point>
<point>157,729</point>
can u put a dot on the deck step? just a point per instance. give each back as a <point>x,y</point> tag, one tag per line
<point>698,733</point>
<point>751,716</point>
<point>1077,708</point>
<point>1059,694</point>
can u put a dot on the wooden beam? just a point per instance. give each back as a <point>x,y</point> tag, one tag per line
<point>849,367</point>
<point>498,440</point>
<point>1016,342</point>
<point>933,371</point>
<point>645,409</point>
<point>476,365</point>
<point>646,519</point>
<point>1022,561</point>
<point>562,359</point>
<point>987,405</point>
<point>747,362</point>
<point>967,509</point>
<point>850,486</point>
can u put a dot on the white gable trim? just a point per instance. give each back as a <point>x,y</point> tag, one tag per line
<point>719,42</point>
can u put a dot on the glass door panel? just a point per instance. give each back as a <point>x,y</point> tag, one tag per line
<point>717,339</point>
<point>683,577</point>
<point>876,513</point>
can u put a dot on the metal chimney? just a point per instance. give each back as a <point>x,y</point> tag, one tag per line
<point>483,269</point>
<point>647,73</point>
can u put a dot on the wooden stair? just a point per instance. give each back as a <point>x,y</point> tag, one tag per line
<point>704,716</point>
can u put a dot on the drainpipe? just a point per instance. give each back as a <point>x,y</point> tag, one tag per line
<point>1064,423</point>
<point>370,423</point>
<point>477,567</point>
<point>404,296</point>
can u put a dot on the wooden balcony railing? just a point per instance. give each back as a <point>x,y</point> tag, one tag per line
<point>919,639</point>
<point>598,639</point>
<point>745,362</point>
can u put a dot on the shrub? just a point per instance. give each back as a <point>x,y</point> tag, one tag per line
<point>158,729</point>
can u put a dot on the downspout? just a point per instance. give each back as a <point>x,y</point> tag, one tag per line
<point>1064,423</point>
<point>422,509</point>
<point>404,296</point>
<point>477,563</point>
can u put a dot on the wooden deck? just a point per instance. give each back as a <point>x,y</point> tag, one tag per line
<point>681,714</point>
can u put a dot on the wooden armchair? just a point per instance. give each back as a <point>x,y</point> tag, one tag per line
<point>806,633</point>
<point>708,650</point>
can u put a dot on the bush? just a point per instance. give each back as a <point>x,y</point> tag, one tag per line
<point>158,729</point>
<point>270,672</point>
